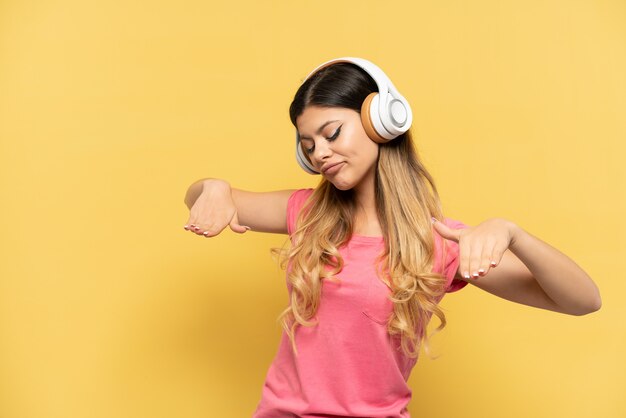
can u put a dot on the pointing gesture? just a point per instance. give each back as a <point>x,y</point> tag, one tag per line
<point>213,211</point>
<point>480,247</point>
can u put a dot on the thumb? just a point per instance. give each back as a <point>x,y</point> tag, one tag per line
<point>445,231</point>
<point>234,225</point>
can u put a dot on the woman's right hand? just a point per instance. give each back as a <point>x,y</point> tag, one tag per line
<point>213,210</point>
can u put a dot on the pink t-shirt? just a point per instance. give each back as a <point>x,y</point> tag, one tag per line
<point>347,365</point>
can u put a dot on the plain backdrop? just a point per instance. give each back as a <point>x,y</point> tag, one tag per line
<point>109,110</point>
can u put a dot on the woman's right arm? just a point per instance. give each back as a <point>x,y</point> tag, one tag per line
<point>213,205</point>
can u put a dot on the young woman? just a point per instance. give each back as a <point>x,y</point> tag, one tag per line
<point>372,254</point>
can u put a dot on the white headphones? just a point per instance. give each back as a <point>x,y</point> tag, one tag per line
<point>385,114</point>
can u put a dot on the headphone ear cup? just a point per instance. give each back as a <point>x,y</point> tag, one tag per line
<point>303,161</point>
<point>368,112</point>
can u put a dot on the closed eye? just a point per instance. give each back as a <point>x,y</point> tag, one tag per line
<point>332,138</point>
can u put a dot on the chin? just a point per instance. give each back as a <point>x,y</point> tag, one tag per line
<point>341,186</point>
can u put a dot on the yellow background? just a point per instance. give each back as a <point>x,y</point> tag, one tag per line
<point>109,110</point>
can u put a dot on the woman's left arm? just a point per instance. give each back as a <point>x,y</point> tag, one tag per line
<point>527,270</point>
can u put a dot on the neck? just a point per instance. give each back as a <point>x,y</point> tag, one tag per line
<point>366,215</point>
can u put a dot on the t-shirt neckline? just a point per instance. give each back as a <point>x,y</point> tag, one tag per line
<point>367,238</point>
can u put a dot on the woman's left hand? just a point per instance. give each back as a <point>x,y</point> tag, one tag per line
<point>480,247</point>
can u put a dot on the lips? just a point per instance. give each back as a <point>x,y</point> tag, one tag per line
<point>328,167</point>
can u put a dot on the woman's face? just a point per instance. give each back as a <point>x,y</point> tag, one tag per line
<point>335,136</point>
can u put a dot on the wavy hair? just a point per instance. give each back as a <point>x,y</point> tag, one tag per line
<point>406,198</point>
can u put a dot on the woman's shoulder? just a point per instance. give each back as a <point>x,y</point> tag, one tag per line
<point>302,193</point>
<point>294,204</point>
<point>298,197</point>
<point>447,256</point>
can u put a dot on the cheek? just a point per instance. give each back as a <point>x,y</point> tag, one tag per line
<point>361,146</point>
<point>372,150</point>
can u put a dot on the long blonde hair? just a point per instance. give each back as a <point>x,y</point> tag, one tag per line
<point>406,198</point>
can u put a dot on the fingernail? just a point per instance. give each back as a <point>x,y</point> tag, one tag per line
<point>205,233</point>
<point>493,263</point>
<point>481,271</point>
<point>432,219</point>
<point>186,226</point>
<point>466,275</point>
<point>247,227</point>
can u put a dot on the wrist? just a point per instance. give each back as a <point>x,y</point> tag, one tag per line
<point>215,183</point>
<point>515,232</point>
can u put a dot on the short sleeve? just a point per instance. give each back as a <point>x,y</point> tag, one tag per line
<point>294,205</point>
<point>451,262</point>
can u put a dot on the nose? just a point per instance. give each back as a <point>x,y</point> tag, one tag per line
<point>321,152</point>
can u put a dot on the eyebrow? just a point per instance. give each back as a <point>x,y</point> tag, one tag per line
<point>319,130</point>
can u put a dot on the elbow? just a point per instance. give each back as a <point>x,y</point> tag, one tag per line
<point>591,307</point>
<point>591,304</point>
<point>597,304</point>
